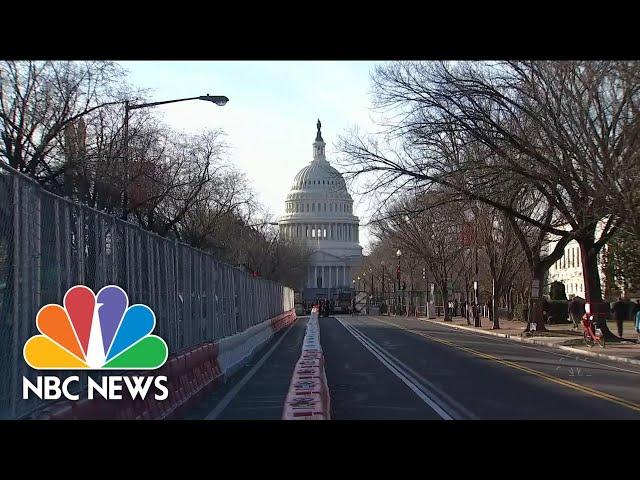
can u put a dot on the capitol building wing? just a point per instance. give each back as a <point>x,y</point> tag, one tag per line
<point>319,214</point>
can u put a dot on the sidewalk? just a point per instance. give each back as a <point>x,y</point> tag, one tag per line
<point>557,336</point>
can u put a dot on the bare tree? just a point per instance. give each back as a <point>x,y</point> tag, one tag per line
<point>566,129</point>
<point>179,176</point>
<point>503,251</point>
<point>430,229</point>
<point>39,100</point>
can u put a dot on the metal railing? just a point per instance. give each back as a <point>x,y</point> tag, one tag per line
<point>49,244</point>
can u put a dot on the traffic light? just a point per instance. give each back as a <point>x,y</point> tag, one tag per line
<point>424,273</point>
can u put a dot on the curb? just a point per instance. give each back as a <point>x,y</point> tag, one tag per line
<point>537,342</point>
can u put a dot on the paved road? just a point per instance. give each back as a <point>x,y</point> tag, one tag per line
<point>258,391</point>
<point>460,375</point>
<point>383,368</point>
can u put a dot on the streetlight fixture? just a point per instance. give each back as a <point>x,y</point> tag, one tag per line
<point>219,100</point>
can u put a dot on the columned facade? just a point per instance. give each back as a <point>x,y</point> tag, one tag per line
<point>319,214</point>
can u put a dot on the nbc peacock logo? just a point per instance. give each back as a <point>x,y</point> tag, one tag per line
<point>97,332</point>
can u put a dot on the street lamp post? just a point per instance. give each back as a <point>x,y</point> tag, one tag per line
<point>353,296</point>
<point>382,302</point>
<point>219,100</point>
<point>471,217</point>
<point>364,290</point>
<point>372,291</point>
<point>399,254</point>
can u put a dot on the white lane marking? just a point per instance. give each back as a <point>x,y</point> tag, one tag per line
<point>231,394</point>
<point>440,396</point>
<point>420,390</point>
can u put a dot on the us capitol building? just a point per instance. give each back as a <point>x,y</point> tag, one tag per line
<point>319,213</point>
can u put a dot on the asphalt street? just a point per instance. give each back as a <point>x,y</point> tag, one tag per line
<point>397,368</point>
<point>477,376</point>
<point>258,391</point>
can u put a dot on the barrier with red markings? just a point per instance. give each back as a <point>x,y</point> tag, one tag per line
<point>308,397</point>
<point>190,376</point>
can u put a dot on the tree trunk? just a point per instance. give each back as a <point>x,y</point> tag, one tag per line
<point>445,297</point>
<point>592,286</point>
<point>535,303</point>
<point>494,314</point>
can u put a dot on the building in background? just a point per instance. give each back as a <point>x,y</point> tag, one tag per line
<point>568,269</point>
<point>319,214</point>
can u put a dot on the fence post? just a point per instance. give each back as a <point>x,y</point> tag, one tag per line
<point>56,222</point>
<point>81,247</point>
<point>15,327</point>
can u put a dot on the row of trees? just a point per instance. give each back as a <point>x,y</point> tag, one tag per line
<point>446,239</point>
<point>61,123</point>
<point>547,150</point>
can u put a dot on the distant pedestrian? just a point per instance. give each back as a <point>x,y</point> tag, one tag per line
<point>619,311</point>
<point>635,308</point>
<point>637,324</point>
<point>576,310</point>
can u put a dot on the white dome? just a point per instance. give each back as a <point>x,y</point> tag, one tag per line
<point>319,214</point>
<point>319,190</point>
<point>319,175</point>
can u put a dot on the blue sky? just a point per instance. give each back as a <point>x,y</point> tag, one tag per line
<point>271,116</point>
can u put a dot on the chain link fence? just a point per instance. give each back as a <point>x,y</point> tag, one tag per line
<point>49,244</point>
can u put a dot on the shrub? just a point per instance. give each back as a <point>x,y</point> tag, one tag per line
<point>557,291</point>
<point>520,312</point>
<point>558,311</point>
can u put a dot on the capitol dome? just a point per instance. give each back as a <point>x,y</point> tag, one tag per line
<point>319,214</point>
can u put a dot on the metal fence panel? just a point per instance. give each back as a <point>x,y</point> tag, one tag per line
<point>49,243</point>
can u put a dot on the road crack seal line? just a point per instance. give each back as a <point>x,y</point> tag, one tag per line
<point>574,386</point>
<point>509,341</point>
